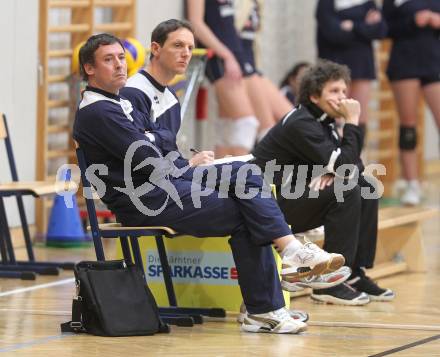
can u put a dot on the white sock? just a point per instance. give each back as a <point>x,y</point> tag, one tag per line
<point>414,183</point>
<point>291,248</point>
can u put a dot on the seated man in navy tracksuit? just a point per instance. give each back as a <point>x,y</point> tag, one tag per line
<point>166,189</point>
<point>306,140</point>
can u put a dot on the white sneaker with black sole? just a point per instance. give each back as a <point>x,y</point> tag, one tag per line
<point>292,283</point>
<point>342,294</point>
<point>278,321</point>
<point>297,315</point>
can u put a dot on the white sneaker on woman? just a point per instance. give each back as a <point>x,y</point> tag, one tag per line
<point>412,195</point>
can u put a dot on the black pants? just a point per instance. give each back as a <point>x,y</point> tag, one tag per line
<point>350,226</point>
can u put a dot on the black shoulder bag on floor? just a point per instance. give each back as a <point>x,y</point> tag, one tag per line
<point>113,299</point>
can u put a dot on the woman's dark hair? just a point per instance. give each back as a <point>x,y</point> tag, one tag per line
<point>87,51</point>
<point>317,76</point>
<point>293,72</point>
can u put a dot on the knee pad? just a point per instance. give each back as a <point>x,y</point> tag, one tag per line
<point>407,138</point>
<point>240,132</point>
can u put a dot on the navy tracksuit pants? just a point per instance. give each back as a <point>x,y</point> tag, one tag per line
<point>252,224</point>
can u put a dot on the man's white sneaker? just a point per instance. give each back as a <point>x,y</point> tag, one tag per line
<point>324,281</point>
<point>297,315</point>
<point>309,260</point>
<point>315,232</point>
<point>278,321</point>
<point>291,287</point>
<point>412,195</point>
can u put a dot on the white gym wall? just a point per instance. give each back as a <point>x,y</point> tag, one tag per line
<point>18,91</point>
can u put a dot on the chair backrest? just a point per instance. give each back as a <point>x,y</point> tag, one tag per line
<point>91,210</point>
<point>4,135</point>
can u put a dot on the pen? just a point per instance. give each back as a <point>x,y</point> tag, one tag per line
<point>195,151</point>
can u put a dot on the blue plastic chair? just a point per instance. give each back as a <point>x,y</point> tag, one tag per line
<point>10,267</point>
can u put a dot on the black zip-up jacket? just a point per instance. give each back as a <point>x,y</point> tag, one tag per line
<point>306,136</point>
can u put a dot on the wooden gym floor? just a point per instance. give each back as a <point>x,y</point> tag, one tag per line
<point>30,314</point>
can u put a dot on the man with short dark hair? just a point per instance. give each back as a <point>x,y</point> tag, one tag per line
<point>111,131</point>
<point>306,140</point>
<point>148,91</point>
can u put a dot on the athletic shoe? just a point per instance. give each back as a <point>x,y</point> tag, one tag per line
<point>278,321</point>
<point>342,294</point>
<point>293,283</point>
<point>412,195</point>
<point>297,315</point>
<point>399,187</point>
<point>291,287</point>
<point>315,232</point>
<point>309,260</point>
<point>363,283</point>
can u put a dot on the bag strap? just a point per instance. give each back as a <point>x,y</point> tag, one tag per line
<point>76,324</point>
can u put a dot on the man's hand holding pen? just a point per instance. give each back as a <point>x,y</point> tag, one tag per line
<point>201,158</point>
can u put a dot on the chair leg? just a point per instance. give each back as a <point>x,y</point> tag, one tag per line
<point>170,316</point>
<point>27,275</point>
<point>7,235</point>
<point>7,269</point>
<point>12,269</point>
<point>183,321</point>
<point>173,308</point>
<point>42,270</point>
<point>204,311</point>
<point>4,253</point>
<point>62,265</point>
<point>23,270</point>
<point>97,243</point>
<point>25,228</point>
<point>125,249</point>
<point>137,253</point>
<point>45,268</point>
<point>166,271</point>
<point>197,318</point>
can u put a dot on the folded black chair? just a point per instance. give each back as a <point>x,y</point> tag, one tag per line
<point>181,316</point>
<point>10,267</point>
